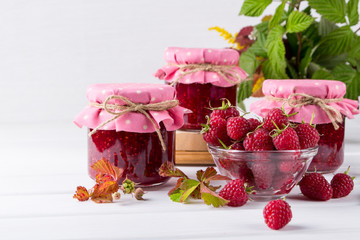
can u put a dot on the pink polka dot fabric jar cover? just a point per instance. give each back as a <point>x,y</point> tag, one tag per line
<point>201,76</point>
<point>326,100</point>
<point>130,141</point>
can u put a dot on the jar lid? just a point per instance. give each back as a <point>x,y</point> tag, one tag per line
<point>277,93</point>
<point>95,115</point>
<point>216,66</point>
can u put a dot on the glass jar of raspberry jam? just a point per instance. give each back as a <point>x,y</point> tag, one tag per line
<point>197,96</point>
<point>326,100</point>
<point>202,77</point>
<point>330,155</point>
<point>130,140</point>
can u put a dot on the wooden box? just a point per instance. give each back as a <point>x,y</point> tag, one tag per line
<point>191,149</point>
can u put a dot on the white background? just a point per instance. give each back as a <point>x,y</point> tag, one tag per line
<point>51,50</point>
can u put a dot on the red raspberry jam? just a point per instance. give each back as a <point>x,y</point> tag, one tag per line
<point>140,154</point>
<point>330,155</point>
<point>197,96</point>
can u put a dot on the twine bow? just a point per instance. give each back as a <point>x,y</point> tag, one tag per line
<point>119,110</point>
<point>333,113</point>
<point>225,71</point>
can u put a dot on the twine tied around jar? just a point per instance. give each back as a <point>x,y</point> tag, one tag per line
<point>306,99</point>
<point>119,110</point>
<point>225,71</point>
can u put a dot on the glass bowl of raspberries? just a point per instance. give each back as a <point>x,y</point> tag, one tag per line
<point>272,173</point>
<point>270,154</point>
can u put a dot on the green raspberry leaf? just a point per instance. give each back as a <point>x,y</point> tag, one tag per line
<point>244,91</point>
<point>326,27</point>
<point>254,8</point>
<point>188,186</point>
<point>217,177</point>
<point>248,62</point>
<point>322,74</point>
<point>203,175</point>
<point>275,20</point>
<point>257,49</point>
<point>167,169</point>
<point>211,198</point>
<point>176,195</point>
<point>178,184</point>
<point>354,54</point>
<point>298,21</point>
<point>333,10</point>
<point>189,183</point>
<point>335,43</point>
<point>276,52</point>
<point>352,12</point>
<point>305,61</point>
<point>263,26</point>
<point>350,77</point>
<point>210,174</point>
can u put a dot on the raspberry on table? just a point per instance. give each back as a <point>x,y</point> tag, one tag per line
<point>236,192</point>
<point>342,184</point>
<point>237,127</point>
<point>316,187</point>
<point>277,214</point>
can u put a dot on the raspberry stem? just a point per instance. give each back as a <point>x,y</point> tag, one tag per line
<point>224,105</point>
<point>223,144</point>
<point>287,115</point>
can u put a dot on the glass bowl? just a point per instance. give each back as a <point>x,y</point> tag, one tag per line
<point>272,173</point>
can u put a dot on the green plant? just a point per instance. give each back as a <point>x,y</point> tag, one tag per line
<point>292,43</point>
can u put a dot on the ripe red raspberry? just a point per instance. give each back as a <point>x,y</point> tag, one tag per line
<point>237,169</point>
<point>244,173</point>
<point>263,174</point>
<point>219,124</point>
<point>289,166</point>
<point>315,186</point>
<point>210,136</point>
<point>254,123</point>
<point>225,111</point>
<point>283,182</point>
<point>226,163</point>
<point>237,127</point>
<point>237,146</point>
<point>215,130</point>
<point>286,139</point>
<point>342,184</point>
<point>259,140</point>
<point>277,214</point>
<point>308,135</point>
<point>236,192</point>
<point>277,116</point>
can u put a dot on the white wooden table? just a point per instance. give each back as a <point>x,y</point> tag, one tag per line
<point>41,165</point>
